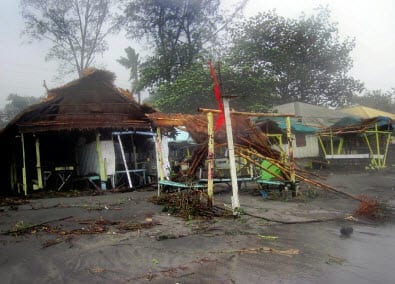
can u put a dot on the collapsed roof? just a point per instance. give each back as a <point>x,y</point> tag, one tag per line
<point>350,125</point>
<point>87,103</point>
<point>245,134</point>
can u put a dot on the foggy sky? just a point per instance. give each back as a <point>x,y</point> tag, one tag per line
<point>372,23</point>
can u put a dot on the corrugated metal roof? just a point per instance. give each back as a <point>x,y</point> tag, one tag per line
<point>311,115</point>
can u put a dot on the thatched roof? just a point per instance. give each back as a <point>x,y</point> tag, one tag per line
<point>352,125</point>
<point>245,135</point>
<point>366,112</point>
<point>87,103</point>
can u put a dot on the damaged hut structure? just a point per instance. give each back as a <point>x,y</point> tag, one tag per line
<point>252,146</point>
<point>87,132</point>
<point>355,141</point>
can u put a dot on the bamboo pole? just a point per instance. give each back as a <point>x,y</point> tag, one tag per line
<point>386,149</point>
<point>329,188</point>
<point>340,146</point>
<point>102,166</point>
<point>379,161</point>
<point>255,114</point>
<point>291,162</point>
<point>259,165</point>
<point>373,160</point>
<point>298,176</point>
<point>322,145</point>
<point>210,158</point>
<point>280,165</point>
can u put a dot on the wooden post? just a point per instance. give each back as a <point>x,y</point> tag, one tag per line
<point>24,184</point>
<point>102,167</point>
<point>159,157</point>
<point>322,145</point>
<point>291,155</point>
<point>340,146</point>
<point>386,149</point>
<point>134,152</point>
<point>332,153</point>
<point>210,158</point>
<point>124,161</point>
<point>232,162</point>
<point>38,164</point>
<point>13,174</point>
<point>290,151</point>
<point>379,160</point>
<point>160,154</point>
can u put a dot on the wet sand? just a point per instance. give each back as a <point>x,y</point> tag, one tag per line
<point>169,249</point>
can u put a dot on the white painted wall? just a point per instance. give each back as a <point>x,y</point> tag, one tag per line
<point>88,158</point>
<point>310,150</point>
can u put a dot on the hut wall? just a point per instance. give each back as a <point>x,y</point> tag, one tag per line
<point>309,148</point>
<point>88,158</point>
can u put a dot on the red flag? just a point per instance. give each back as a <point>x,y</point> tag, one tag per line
<point>221,118</point>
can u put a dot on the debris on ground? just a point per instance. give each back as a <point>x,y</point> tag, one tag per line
<point>189,204</point>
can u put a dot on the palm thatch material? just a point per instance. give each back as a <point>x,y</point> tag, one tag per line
<point>87,103</point>
<point>245,134</point>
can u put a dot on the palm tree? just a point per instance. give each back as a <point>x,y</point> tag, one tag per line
<point>132,62</point>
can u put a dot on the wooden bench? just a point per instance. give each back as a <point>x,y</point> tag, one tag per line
<point>168,184</point>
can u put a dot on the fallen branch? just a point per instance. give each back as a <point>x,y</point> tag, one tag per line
<point>30,227</point>
<point>293,222</point>
<point>288,252</point>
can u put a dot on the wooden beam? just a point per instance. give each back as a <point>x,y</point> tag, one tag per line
<point>102,166</point>
<point>210,158</point>
<point>38,164</point>
<point>256,114</point>
<point>24,183</point>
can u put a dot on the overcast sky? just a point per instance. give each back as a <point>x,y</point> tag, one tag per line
<point>371,22</point>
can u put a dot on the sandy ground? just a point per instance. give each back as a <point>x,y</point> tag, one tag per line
<point>87,240</point>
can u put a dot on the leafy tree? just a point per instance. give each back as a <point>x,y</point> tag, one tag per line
<point>302,60</point>
<point>194,88</point>
<point>132,62</point>
<point>191,89</point>
<point>77,29</point>
<point>17,104</point>
<point>177,29</point>
<point>3,119</point>
<point>377,99</point>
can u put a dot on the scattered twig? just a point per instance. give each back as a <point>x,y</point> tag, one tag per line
<point>288,252</point>
<point>27,228</point>
<point>293,222</point>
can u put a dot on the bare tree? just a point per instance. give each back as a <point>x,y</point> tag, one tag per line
<point>76,28</point>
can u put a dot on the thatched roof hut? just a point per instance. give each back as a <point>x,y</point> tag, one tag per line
<point>90,102</point>
<point>73,128</point>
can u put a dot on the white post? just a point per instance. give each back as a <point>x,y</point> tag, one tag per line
<point>210,158</point>
<point>124,161</point>
<point>232,162</point>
